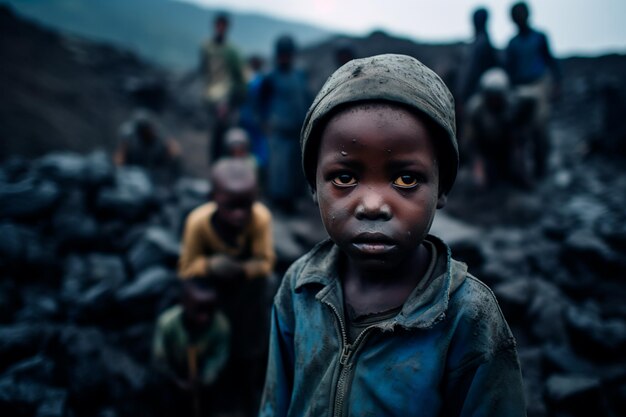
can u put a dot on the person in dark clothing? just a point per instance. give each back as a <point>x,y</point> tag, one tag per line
<point>190,348</point>
<point>249,117</point>
<point>529,64</point>
<point>284,99</point>
<point>481,57</point>
<point>144,143</point>
<point>222,68</point>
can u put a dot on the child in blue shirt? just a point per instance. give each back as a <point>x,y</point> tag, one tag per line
<point>379,320</point>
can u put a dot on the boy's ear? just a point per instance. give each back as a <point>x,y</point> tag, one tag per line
<point>442,200</point>
<point>314,195</point>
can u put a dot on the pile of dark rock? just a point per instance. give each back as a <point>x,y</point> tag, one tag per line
<point>87,260</point>
<point>88,255</point>
<point>556,260</point>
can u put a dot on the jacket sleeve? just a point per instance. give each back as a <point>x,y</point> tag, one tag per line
<point>279,376</point>
<point>483,377</point>
<point>491,387</point>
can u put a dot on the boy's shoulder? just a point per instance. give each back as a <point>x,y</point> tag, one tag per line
<point>473,297</point>
<point>480,324</point>
<point>202,212</point>
<point>260,213</point>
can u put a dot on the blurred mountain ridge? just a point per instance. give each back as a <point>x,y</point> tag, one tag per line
<point>165,31</point>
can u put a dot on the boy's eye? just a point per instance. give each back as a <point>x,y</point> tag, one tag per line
<point>405,181</point>
<point>344,180</point>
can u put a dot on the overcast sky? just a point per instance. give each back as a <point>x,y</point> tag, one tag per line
<point>574,26</point>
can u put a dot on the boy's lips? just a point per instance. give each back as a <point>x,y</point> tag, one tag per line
<point>373,243</point>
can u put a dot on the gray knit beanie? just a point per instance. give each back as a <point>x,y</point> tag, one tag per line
<point>390,78</point>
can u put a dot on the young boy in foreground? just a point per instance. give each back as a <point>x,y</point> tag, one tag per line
<point>379,320</point>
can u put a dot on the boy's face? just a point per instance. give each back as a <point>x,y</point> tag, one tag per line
<point>234,208</point>
<point>199,306</point>
<point>377,182</point>
<point>220,27</point>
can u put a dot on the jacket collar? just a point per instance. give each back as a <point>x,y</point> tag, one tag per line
<point>424,307</point>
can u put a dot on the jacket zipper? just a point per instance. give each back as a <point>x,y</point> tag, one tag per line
<point>342,387</point>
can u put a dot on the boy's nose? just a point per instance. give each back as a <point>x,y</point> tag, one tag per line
<point>372,207</point>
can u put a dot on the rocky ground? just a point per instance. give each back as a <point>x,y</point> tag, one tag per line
<point>88,255</point>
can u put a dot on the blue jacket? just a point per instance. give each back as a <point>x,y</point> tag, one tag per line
<point>449,352</point>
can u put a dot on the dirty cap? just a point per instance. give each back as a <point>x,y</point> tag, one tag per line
<point>392,78</point>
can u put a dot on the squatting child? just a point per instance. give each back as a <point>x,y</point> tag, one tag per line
<point>228,241</point>
<point>379,320</point>
<point>191,345</point>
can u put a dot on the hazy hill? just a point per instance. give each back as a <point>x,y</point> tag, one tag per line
<point>61,93</point>
<point>165,31</point>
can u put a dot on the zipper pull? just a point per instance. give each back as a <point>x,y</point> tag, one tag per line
<point>345,354</point>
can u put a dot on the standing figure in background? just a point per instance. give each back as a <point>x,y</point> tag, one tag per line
<point>191,346</point>
<point>283,103</point>
<point>529,63</point>
<point>143,143</point>
<point>225,86</point>
<point>249,116</point>
<point>228,241</point>
<point>481,56</point>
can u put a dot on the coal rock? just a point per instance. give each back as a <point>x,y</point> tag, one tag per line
<point>21,341</point>
<point>23,246</point>
<point>74,227</point>
<point>32,387</point>
<point>31,399</point>
<point>37,368</point>
<point>195,188</point>
<point>578,395</point>
<point>76,233</point>
<point>38,306</point>
<point>90,284</point>
<point>562,359</point>
<point>546,313</point>
<point>139,299</point>
<point>470,252</point>
<point>96,373</point>
<point>129,198</point>
<point>584,247</point>
<point>99,170</point>
<point>66,168</point>
<point>287,247</point>
<point>28,199</point>
<point>83,272</point>
<point>513,297</point>
<point>594,334</point>
<point>9,300</point>
<point>156,246</point>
